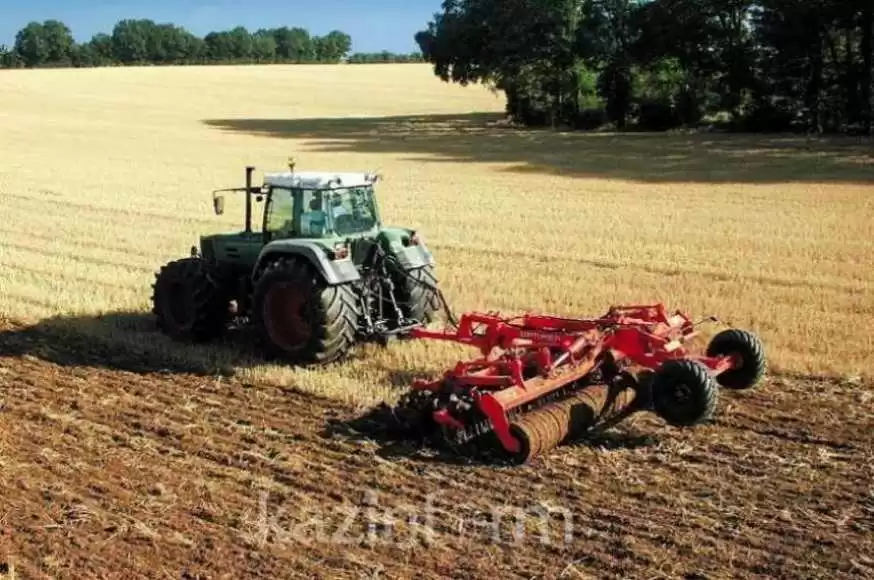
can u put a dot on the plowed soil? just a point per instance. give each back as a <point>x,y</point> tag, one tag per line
<point>115,473</point>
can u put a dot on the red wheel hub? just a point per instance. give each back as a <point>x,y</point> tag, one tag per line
<point>284,315</point>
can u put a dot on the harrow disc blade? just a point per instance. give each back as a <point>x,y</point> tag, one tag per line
<point>412,414</point>
<point>542,429</point>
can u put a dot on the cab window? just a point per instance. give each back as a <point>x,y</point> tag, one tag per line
<point>280,214</point>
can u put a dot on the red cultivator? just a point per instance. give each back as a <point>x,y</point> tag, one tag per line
<point>541,379</point>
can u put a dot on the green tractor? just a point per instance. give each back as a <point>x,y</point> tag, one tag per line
<point>322,274</point>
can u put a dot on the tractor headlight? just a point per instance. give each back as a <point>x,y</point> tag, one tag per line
<point>341,252</point>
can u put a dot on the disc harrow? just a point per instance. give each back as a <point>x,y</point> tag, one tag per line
<point>541,380</point>
<point>570,418</point>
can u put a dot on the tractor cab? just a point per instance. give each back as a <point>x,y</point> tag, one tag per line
<point>331,209</point>
<point>319,206</point>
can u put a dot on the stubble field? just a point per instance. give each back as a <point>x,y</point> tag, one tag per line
<point>124,453</point>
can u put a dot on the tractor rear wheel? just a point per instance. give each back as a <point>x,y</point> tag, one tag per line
<point>749,354</point>
<point>187,304</point>
<point>299,317</point>
<point>684,393</point>
<point>415,299</point>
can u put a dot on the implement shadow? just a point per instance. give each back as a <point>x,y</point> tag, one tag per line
<point>643,157</point>
<point>379,426</point>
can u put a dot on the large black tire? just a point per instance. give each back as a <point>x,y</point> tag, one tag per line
<point>187,304</point>
<point>748,349</point>
<point>299,317</point>
<point>684,393</point>
<point>417,301</point>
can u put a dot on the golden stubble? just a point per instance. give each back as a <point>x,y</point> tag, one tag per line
<point>107,174</point>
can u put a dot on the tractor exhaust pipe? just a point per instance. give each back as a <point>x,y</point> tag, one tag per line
<point>249,171</point>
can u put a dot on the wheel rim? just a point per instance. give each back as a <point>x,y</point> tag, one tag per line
<point>284,319</point>
<point>681,394</point>
<point>737,360</point>
<point>180,304</point>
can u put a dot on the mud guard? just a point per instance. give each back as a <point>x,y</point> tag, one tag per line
<point>333,271</point>
<point>411,257</point>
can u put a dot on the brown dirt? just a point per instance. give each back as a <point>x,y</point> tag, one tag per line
<point>124,474</point>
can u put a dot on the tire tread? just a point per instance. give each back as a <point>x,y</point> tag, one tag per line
<point>335,313</point>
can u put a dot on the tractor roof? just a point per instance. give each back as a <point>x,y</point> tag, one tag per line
<point>319,179</point>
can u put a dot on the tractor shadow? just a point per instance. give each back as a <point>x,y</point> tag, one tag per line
<point>129,341</point>
<point>485,137</point>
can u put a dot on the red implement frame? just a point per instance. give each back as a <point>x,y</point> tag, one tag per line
<point>561,350</point>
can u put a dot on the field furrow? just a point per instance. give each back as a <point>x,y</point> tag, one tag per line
<point>187,466</point>
<point>126,454</point>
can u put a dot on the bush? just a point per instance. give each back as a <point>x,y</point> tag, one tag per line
<point>657,115</point>
<point>589,119</point>
<point>689,107</point>
<point>528,109</point>
<point>768,117</point>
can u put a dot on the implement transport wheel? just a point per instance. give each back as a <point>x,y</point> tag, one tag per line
<point>748,353</point>
<point>187,304</point>
<point>416,300</point>
<point>684,393</point>
<point>299,317</point>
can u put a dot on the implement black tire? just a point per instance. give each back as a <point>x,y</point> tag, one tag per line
<point>748,348</point>
<point>299,317</point>
<point>188,305</point>
<point>416,300</point>
<point>684,393</point>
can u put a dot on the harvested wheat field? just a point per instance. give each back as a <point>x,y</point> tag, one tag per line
<point>124,454</point>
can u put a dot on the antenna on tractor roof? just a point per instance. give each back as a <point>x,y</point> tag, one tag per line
<point>291,163</point>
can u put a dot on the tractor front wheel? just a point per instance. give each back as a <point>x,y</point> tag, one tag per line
<point>684,393</point>
<point>187,304</point>
<point>300,318</point>
<point>748,353</point>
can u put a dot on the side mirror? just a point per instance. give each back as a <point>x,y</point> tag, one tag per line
<point>218,204</point>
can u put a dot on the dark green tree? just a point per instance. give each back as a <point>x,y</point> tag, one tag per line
<point>294,44</point>
<point>142,41</point>
<point>131,40</point>
<point>333,46</point>
<point>867,73</point>
<point>218,46</point>
<point>31,45</point>
<point>263,46</point>
<point>102,49</point>
<point>59,41</point>
<point>528,52</point>
<point>8,57</point>
<point>240,43</point>
<point>776,64</point>
<point>605,37</point>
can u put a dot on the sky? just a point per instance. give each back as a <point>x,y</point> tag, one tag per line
<point>374,26</point>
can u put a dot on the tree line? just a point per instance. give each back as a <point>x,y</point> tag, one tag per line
<point>142,41</point>
<point>771,65</point>
<point>383,57</point>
